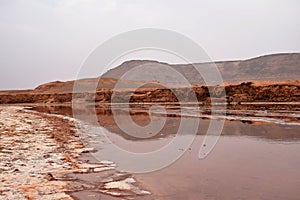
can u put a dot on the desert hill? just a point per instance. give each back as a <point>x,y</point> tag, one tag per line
<point>285,66</point>
<point>276,67</point>
<point>276,78</point>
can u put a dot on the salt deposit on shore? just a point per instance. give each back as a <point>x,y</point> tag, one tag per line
<point>37,151</point>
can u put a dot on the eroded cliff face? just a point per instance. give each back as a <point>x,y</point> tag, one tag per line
<point>245,92</point>
<point>32,97</point>
<point>271,93</point>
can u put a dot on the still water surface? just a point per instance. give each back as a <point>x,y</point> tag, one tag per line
<point>256,157</point>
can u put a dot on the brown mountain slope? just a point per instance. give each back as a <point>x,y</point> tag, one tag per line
<point>265,68</point>
<point>270,67</point>
<point>89,85</point>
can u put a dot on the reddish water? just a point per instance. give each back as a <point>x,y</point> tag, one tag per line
<point>264,166</point>
<point>238,168</point>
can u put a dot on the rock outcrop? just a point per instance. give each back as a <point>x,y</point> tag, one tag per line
<point>244,92</point>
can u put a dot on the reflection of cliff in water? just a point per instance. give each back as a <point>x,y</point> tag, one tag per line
<point>241,126</point>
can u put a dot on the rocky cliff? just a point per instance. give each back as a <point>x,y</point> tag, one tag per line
<point>245,92</point>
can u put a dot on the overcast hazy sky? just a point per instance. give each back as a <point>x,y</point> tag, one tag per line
<point>46,40</point>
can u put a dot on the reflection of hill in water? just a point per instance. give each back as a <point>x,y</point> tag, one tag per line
<point>140,115</point>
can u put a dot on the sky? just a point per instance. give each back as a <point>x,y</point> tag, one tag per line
<point>48,40</point>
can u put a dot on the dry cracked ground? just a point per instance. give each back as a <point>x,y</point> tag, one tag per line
<point>40,159</point>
